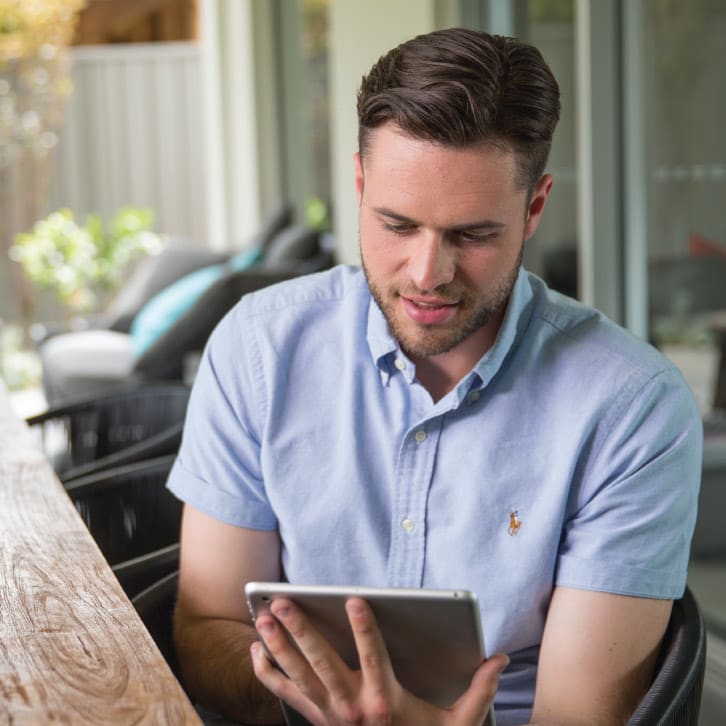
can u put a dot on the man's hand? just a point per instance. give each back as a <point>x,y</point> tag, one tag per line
<point>321,687</point>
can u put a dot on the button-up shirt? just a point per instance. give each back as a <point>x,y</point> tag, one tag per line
<point>569,455</point>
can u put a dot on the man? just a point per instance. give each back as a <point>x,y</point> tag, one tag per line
<point>440,420</point>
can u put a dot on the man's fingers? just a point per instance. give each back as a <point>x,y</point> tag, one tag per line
<point>289,659</point>
<point>320,658</point>
<point>473,705</point>
<point>375,663</point>
<point>275,681</point>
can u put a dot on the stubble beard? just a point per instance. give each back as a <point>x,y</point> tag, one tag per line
<point>476,309</point>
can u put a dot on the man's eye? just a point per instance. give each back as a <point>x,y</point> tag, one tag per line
<point>476,237</point>
<point>396,228</point>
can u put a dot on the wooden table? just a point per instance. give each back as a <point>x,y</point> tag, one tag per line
<point>72,648</point>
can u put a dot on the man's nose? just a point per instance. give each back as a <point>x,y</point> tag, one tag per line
<point>433,262</point>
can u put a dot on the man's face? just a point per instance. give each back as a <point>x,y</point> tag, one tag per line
<point>442,232</point>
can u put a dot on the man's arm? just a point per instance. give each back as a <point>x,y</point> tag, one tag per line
<point>597,656</point>
<point>212,626</point>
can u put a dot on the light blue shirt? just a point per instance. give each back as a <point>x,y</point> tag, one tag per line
<point>570,455</point>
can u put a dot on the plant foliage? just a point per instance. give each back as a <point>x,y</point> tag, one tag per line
<point>84,264</point>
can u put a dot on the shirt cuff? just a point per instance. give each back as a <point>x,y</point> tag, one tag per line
<point>620,578</point>
<point>217,503</point>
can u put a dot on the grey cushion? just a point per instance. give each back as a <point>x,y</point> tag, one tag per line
<point>273,223</point>
<point>293,244</point>
<point>77,365</point>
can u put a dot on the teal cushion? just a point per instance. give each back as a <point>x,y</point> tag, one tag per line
<point>166,307</point>
<point>244,259</point>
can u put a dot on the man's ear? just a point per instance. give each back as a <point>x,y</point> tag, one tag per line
<point>358,176</point>
<point>537,204</point>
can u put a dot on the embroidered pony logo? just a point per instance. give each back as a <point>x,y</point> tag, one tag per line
<point>514,522</point>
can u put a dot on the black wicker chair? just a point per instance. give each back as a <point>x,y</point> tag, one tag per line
<point>155,606</point>
<point>141,572</point>
<point>131,515</point>
<point>674,697</point>
<point>122,427</point>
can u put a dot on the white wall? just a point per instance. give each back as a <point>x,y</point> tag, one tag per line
<point>132,134</point>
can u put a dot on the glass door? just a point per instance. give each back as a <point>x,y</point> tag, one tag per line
<point>677,155</point>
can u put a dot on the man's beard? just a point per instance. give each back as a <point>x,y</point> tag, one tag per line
<point>476,309</point>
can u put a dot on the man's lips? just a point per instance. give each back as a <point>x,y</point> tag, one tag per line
<point>428,311</point>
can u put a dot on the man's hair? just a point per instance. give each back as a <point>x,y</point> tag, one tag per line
<point>460,87</point>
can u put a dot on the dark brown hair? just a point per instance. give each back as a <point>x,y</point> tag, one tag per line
<point>459,87</point>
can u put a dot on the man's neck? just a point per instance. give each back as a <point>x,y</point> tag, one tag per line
<point>439,374</point>
<point>437,380</point>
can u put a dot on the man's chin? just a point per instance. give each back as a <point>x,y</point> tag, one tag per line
<point>426,341</point>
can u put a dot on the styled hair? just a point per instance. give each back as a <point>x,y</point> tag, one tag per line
<point>459,87</point>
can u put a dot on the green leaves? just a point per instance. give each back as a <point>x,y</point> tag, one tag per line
<point>83,264</point>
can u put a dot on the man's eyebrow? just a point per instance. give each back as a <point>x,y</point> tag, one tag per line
<point>483,224</point>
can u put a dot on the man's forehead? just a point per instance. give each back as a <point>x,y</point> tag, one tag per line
<point>390,135</point>
<point>404,174</point>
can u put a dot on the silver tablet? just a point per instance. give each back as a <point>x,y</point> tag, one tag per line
<point>434,637</point>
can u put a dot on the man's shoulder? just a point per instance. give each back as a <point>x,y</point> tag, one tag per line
<point>580,330</point>
<point>320,305</point>
<point>308,292</point>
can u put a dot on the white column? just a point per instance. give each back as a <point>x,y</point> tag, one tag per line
<point>360,33</point>
<point>231,134</point>
<point>500,18</point>
<point>599,209</point>
<point>635,183</point>
<point>213,125</point>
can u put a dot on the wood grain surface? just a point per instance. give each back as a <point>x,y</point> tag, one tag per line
<point>72,648</point>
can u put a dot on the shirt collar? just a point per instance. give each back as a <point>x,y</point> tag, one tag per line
<point>384,347</point>
<point>385,350</point>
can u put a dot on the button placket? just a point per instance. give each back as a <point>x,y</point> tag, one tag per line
<point>413,479</point>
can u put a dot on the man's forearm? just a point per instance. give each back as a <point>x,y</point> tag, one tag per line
<point>216,669</point>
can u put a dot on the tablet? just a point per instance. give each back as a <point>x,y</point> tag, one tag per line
<point>434,637</point>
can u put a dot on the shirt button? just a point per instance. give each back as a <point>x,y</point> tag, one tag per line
<point>420,436</point>
<point>474,396</point>
<point>408,525</point>
<point>400,364</point>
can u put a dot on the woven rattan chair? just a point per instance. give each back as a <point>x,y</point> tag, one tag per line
<point>122,427</point>
<point>674,697</point>
<point>131,514</point>
<point>143,571</point>
<point>155,606</point>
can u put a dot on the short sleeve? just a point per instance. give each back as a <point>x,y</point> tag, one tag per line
<point>218,468</point>
<point>631,516</point>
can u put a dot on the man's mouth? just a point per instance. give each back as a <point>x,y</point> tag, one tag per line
<point>428,311</point>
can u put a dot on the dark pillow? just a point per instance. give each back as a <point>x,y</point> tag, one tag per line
<point>273,223</point>
<point>293,244</point>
